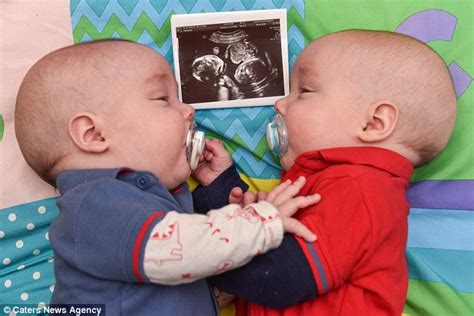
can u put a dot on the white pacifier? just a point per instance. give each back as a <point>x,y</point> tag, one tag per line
<point>277,136</point>
<point>195,142</point>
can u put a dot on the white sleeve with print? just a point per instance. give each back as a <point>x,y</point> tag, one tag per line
<point>185,247</point>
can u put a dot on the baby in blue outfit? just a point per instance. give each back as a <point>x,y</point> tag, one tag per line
<point>101,121</point>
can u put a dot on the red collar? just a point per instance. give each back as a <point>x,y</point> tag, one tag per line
<point>384,159</point>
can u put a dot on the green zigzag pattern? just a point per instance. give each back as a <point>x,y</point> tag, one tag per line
<point>295,18</point>
<point>236,142</point>
<point>251,125</point>
<point>144,23</point>
<point>114,24</point>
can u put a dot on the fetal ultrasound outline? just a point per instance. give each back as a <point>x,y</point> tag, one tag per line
<point>255,71</point>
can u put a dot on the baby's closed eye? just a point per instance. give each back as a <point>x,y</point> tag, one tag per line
<point>160,98</point>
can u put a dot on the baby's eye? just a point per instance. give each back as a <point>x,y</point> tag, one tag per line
<point>162,98</point>
<point>305,90</point>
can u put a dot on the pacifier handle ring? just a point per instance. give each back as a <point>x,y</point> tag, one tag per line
<point>194,154</point>
<point>198,143</point>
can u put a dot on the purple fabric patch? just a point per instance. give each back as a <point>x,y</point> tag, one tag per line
<point>461,79</point>
<point>445,194</point>
<point>436,25</point>
<point>429,25</point>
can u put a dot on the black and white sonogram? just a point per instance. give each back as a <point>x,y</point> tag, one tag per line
<point>230,61</point>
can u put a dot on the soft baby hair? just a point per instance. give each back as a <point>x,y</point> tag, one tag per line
<point>72,79</point>
<point>398,68</point>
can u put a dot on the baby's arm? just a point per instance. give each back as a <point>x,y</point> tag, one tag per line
<point>183,248</point>
<point>115,231</point>
<point>280,278</point>
<point>264,282</point>
<point>297,270</point>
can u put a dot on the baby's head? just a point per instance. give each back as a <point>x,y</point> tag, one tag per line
<point>369,88</point>
<point>104,104</point>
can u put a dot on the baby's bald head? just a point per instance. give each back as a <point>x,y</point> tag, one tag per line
<point>402,70</point>
<point>84,77</point>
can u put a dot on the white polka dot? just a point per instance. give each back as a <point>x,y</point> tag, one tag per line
<point>36,252</point>
<point>50,260</point>
<point>41,209</point>
<point>6,261</point>
<point>36,275</point>
<point>51,288</point>
<point>2,234</point>
<point>46,236</point>
<point>19,244</point>
<point>30,226</point>
<point>20,267</point>
<point>12,217</point>
<point>7,283</point>
<point>41,304</point>
<point>24,296</point>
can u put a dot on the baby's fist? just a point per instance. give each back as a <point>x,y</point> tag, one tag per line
<point>214,161</point>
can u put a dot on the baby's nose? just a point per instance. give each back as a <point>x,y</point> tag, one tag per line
<point>188,111</point>
<point>280,105</point>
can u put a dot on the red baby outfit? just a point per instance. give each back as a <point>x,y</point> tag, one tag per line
<point>358,261</point>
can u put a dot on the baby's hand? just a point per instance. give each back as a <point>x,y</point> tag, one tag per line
<point>223,298</point>
<point>283,198</point>
<point>213,162</point>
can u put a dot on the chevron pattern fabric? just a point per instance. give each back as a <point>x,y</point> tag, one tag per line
<point>440,249</point>
<point>439,194</point>
<point>148,22</point>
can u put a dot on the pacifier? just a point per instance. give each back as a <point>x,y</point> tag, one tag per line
<point>277,136</point>
<point>195,142</point>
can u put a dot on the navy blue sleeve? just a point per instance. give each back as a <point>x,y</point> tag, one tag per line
<point>111,226</point>
<point>216,194</point>
<point>279,278</point>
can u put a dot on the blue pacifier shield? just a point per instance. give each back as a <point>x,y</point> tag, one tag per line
<point>277,136</point>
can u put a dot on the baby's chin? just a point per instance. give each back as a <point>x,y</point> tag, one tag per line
<point>285,162</point>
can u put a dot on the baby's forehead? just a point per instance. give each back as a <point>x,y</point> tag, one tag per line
<point>159,77</point>
<point>141,65</point>
<point>306,68</point>
<point>311,66</point>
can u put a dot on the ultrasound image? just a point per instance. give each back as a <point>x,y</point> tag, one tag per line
<point>230,61</point>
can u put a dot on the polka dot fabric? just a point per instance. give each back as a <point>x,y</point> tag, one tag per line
<point>26,258</point>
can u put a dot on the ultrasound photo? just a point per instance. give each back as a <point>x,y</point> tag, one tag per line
<point>238,60</point>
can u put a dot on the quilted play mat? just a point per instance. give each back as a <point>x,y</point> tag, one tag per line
<point>440,248</point>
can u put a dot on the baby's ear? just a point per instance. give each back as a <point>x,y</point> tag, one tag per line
<point>380,122</point>
<point>86,131</point>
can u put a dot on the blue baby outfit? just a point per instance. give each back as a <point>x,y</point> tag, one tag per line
<point>99,241</point>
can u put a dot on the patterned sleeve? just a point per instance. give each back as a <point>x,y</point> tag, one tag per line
<point>120,234</point>
<point>183,248</point>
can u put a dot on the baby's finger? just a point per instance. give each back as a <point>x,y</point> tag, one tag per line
<point>290,191</point>
<point>261,195</point>
<point>236,196</point>
<point>249,198</point>
<point>277,190</point>
<point>293,226</point>
<point>291,206</point>
<point>208,155</point>
<point>215,146</point>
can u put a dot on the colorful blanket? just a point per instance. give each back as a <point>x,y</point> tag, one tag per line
<point>441,237</point>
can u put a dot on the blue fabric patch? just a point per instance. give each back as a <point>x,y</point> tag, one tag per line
<point>26,271</point>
